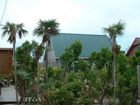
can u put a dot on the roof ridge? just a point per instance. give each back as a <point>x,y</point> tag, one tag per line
<point>137,38</point>
<point>84,34</point>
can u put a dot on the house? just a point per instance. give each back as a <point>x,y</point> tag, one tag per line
<point>6,62</point>
<point>134,47</point>
<point>90,42</point>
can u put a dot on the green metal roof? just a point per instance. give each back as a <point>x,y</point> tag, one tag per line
<point>91,43</point>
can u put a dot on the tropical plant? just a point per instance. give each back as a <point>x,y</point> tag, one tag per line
<point>114,30</point>
<point>47,29</point>
<point>71,55</point>
<point>102,73</point>
<point>76,48</point>
<point>101,59</point>
<point>27,58</point>
<point>67,59</point>
<point>12,30</point>
<point>23,81</point>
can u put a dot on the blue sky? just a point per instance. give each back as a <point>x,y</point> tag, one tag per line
<point>75,16</point>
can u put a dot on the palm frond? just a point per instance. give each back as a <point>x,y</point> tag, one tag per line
<point>119,27</point>
<point>23,74</point>
<point>4,33</point>
<point>10,39</point>
<point>115,30</point>
<point>9,29</point>
<point>5,29</point>
<point>110,30</point>
<point>39,30</point>
<point>44,26</point>
<point>46,29</point>
<point>20,30</point>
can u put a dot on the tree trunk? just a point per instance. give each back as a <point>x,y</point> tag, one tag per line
<point>38,87</point>
<point>65,73</point>
<point>134,97</point>
<point>114,69</point>
<point>15,71</point>
<point>102,97</point>
<point>22,92</point>
<point>46,62</point>
<point>114,78</point>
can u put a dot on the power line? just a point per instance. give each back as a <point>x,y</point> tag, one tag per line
<point>3,12</point>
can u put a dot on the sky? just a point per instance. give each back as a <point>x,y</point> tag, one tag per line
<point>74,16</point>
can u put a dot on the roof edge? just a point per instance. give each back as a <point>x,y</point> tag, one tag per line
<point>130,48</point>
<point>6,48</point>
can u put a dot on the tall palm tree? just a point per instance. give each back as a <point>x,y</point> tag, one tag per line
<point>114,31</point>
<point>47,29</point>
<point>12,30</point>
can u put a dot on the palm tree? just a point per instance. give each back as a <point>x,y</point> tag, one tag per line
<point>47,29</point>
<point>114,30</point>
<point>23,77</point>
<point>12,30</point>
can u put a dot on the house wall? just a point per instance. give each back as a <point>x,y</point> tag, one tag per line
<point>132,52</point>
<point>59,63</point>
<point>6,63</point>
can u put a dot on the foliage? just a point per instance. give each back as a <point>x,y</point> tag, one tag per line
<point>24,56</point>
<point>67,58</point>
<point>76,48</point>
<point>79,83</point>
<point>46,29</point>
<point>115,29</point>
<point>66,92</point>
<point>82,87</point>
<point>46,26</point>
<point>26,68</point>
<point>126,77</point>
<point>102,58</point>
<point>12,29</point>
<point>70,58</point>
<point>41,74</point>
<point>81,65</point>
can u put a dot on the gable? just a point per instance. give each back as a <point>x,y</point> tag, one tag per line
<point>134,47</point>
<point>91,43</point>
